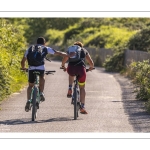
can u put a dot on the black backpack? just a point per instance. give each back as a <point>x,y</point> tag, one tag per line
<point>36,55</point>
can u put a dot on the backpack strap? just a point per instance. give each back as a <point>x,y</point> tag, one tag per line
<point>83,49</point>
<point>45,50</point>
<point>30,48</point>
<point>82,59</point>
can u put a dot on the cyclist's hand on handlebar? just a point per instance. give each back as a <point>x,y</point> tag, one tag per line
<point>24,69</point>
<point>91,68</point>
<point>64,68</point>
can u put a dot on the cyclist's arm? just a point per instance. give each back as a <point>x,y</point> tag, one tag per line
<point>90,61</point>
<point>63,54</point>
<point>64,60</point>
<point>56,52</point>
<point>24,60</point>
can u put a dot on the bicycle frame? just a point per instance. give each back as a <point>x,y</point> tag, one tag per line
<point>36,84</point>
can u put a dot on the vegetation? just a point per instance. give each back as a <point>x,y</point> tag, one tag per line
<point>114,63</point>
<point>12,44</point>
<point>141,40</point>
<point>139,72</point>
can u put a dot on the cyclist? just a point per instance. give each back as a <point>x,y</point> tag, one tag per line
<point>79,68</point>
<point>41,68</point>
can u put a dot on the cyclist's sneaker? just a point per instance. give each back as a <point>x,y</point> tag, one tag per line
<point>83,111</point>
<point>28,106</point>
<point>42,97</point>
<point>37,104</point>
<point>69,94</point>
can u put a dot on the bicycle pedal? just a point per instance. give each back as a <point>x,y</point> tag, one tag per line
<point>69,96</point>
<point>78,105</point>
<point>72,102</point>
<point>37,104</point>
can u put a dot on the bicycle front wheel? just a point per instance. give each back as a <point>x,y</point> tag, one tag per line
<point>34,107</point>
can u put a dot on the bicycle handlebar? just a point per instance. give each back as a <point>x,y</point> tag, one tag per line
<point>61,67</point>
<point>26,70</point>
<point>49,72</point>
<point>86,69</point>
<point>89,70</point>
<point>46,72</point>
<point>48,59</point>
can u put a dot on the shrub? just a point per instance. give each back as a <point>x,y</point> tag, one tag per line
<point>141,40</point>
<point>141,79</point>
<point>12,44</point>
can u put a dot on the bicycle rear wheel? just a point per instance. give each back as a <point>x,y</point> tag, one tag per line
<point>75,104</point>
<point>78,102</point>
<point>34,107</point>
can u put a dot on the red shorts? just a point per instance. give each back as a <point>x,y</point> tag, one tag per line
<point>77,70</point>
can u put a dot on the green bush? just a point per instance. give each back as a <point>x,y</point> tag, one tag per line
<point>114,63</point>
<point>12,45</point>
<point>97,61</point>
<point>141,79</point>
<point>141,40</point>
<point>140,75</point>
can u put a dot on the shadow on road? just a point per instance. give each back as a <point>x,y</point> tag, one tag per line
<point>138,117</point>
<point>28,121</point>
<point>133,108</point>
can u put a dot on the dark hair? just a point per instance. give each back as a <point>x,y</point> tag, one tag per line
<point>40,40</point>
<point>78,43</point>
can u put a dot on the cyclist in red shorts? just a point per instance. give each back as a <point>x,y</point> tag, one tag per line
<point>78,67</point>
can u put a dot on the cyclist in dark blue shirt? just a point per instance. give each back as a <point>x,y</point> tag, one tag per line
<point>40,68</point>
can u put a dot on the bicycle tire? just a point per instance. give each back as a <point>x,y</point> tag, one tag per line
<point>75,104</point>
<point>34,107</point>
<point>78,103</point>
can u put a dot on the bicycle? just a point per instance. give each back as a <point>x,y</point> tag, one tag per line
<point>35,93</point>
<point>76,96</point>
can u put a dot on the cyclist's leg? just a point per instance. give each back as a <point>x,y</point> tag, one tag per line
<point>31,80</point>
<point>41,84</point>
<point>82,94</point>
<point>71,79</point>
<point>41,80</point>
<point>29,89</point>
<point>81,82</point>
<point>82,99</point>
<point>70,71</point>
